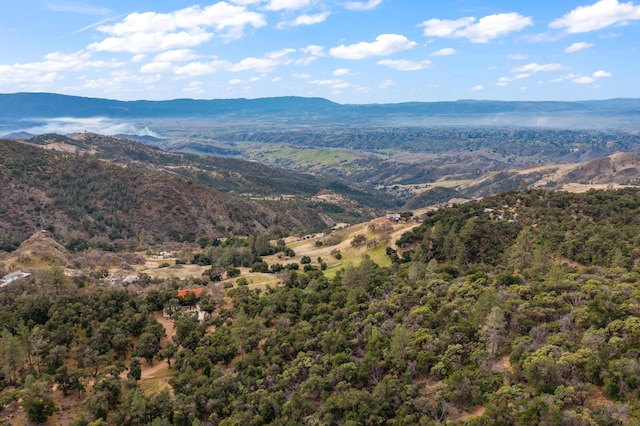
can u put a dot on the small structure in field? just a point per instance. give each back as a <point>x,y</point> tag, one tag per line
<point>14,276</point>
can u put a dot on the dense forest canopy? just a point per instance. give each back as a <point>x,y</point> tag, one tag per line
<point>520,309</point>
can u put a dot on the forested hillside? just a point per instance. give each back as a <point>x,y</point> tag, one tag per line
<point>520,309</point>
<point>226,174</point>
<point>86,201</point>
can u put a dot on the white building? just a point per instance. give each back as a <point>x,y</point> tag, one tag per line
<point>17,275</point>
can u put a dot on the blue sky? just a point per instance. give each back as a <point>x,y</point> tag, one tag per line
<point>349,51</point>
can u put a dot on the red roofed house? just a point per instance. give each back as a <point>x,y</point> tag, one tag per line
<point>186,295</point>
<point>182,294</point>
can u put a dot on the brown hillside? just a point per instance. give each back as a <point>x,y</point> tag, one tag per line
<point>39,249</point>
<point>620,168</point>
<point>80,198</point>
<point>617,169</point>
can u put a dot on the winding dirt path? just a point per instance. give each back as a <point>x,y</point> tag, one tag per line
<point>150,371</point>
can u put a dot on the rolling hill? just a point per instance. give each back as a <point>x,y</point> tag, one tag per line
<point>83,199</point>
<point>618,169</point>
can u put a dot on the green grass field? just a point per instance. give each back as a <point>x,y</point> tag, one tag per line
<point>305,158</point>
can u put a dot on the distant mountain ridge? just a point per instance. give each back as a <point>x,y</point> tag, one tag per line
<point>50,105</point>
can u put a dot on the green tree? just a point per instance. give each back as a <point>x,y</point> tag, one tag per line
<point>521,254</point>
<point>247,331</point>
<point>70,379</point>
<point>494,331</point>
<point>148,346</point>
<point>168,352</point>
<point>12,355</point>
<point>135,369</point>
<point>37,402</point>
<point>188,330</point>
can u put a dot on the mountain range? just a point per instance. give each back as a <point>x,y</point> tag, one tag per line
<point>49,105</point>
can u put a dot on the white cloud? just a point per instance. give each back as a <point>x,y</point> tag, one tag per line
<point>386,84</point>
<point>287,4</point>
<point>255,64</point>
<point>246,2</point>
<point>268,63</point>
<point>342,85</point>
<point>313,50</point>
<point>311,19</point>
<point>16,74</point>
<point>327,82</point>
<point>583,79</point>
<point>362,5</point>
<point>236,81</point>
<point>477,88</point>
<point>152,32</point>
<point>333,83</point>
<point>447,51</point>
<point>404,65</point>
<point>176,56</point>
<point>155,67</point>
<point>602,14</point>
<point>305,20</point>
<point>74,62</point>
<point>279,54</point>
<point>48,70</point>
<point>385,44</point>
<point>601,74</point>
<point>305,61</point>
<point>200,68</point>
<point>503,81</point>
<point>341,71</point>
<point>195,87</point>
<point>564,77</point>
<point>578,47</point>
<point>302,76</point>
<point>520,76</point>
<point>445,27</point>
<point>482,31</point>
<point>534,67</point>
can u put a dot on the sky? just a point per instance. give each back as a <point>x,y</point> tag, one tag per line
<point>348,51</point>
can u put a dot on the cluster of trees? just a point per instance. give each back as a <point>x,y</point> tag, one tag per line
<point>54,333</point>
<point>597,227</point>
<point>236,252</point>
<point>477,315</point>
